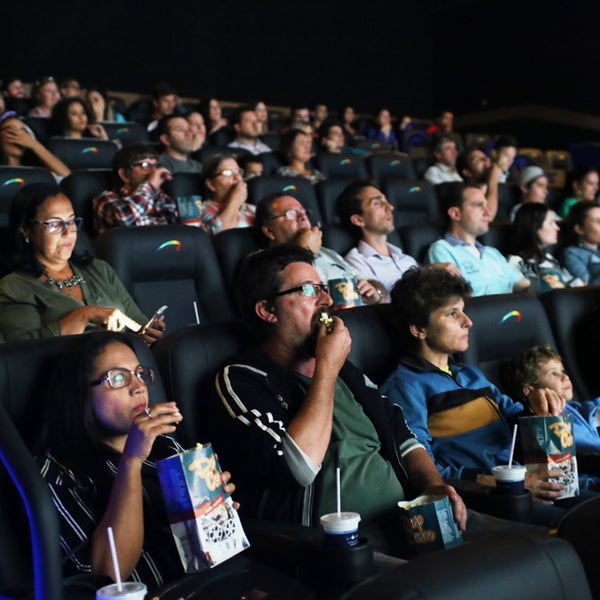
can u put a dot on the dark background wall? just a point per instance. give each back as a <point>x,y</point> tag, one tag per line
<point>414,56</point>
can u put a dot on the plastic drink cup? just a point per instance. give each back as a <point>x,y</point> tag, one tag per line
<point>341,529</point>
<point>510,480</point>
<point>130,590</point>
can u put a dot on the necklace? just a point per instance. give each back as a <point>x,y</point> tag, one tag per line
<point>68,283</point>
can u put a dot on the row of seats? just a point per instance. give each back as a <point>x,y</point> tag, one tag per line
<point>413,200</point>
<point>186,362</point>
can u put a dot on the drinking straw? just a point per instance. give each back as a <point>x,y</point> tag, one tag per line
<point>339,491</point>
<point>196,312</point>
<point>512,446</point>
<point>115,560</point>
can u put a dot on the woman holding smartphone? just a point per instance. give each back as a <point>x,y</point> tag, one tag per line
<point>53,290</point>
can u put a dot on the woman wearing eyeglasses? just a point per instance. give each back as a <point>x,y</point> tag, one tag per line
<point>226,206</point>
<point>98,453</point>
<point>52,290</point>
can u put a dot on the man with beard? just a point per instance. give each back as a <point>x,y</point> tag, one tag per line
<point>292,409</point>
<point>175,135</point>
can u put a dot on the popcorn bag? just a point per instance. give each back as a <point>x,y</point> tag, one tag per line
<point>428,523</point>
<point>206,527</point>
<point>548,444</point>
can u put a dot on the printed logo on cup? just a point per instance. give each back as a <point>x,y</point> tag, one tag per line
<point>341,529</point>
<point>344,293</point>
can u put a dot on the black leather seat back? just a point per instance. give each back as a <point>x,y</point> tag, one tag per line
<point>83,153</point>
<point>189,360</point>
<point>574,315</point>
<point>503,325</point>
<point>168,264</point>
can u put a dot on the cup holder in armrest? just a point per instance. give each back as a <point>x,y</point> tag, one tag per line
<point>485,499</point>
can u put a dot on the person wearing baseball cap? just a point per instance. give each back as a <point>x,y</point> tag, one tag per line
<point>533,182</point>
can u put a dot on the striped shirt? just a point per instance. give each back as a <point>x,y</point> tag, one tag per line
<point>81,503</point>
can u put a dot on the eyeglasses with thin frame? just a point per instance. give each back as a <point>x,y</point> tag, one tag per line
<point>144,164</point>
<point>293,214</point>
<point>120,377</point>
<point>308,289</point>
<point>228,173</point>
<point>55,226</point>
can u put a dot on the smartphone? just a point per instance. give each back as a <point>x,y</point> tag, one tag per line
<point>155,316</point>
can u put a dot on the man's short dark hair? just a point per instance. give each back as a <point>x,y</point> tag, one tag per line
<point>236,116</point>
<point>419,292</point>
<point>462,160</point>
<point>348,203</point>
<point>505,141</point>
<point>124,157</point>
<point>163,89</point>
<point>162,126</point>
<point>452,193</point>
<point>259,278</point>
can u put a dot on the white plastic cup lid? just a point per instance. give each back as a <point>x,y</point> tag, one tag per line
<point>340,523</point>
<point>131,590</point>
<point>506,473</point>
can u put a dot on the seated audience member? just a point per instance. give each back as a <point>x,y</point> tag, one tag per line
<point>247,130</point>
<point>71,119</point>
<point>582,256</point>
<point>534,187</point>
<point>475,167</point>
<point>367,214</point>
<point>542,367</point>
<point>443,123</point>
<point>100,444</point>
<point>382,129</point>
<point>175,134</point>
<point>51,290</point>
<point>444,169</point>
<point>332,140</point>
<point>295,149</point>
<point>69,88</point>
<point>319,115</point>
<point>262,114</point>
<point>100,107</point>
<point>299,410</point>
<point>164,101</point>
<point>348,120</point>
<point>213,116</point>
<point>198,127</point>
<point>226,206</point>
<point>484,267</point>
<point>12,87</point>
<point>283,220</point>
<point>534,233</point>
<point>503,153</point>
<point>458,415</point>
<point>137,198</point>
<point>582,184</point>
<point>19,147</point>
<point>45,94</point>
<point>252,165</point>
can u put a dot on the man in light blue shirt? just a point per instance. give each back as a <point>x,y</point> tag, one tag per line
<point>484,267</point>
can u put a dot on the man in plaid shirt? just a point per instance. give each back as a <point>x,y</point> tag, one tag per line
<point>137,198</point>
